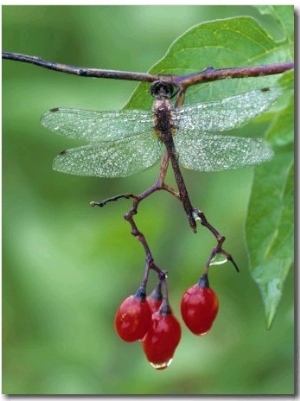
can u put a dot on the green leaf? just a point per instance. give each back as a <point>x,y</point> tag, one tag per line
<point>284,15</point>
<point>283,241</point>
<point>269,228</point>
<point>224,43</point>
<point>270,221</point>
<point>281,131</point>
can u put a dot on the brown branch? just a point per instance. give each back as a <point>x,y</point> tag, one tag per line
<point>80,71</point>
<point>209,74</point>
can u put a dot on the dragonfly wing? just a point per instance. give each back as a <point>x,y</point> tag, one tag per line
<point>119,158</point>
<point>216,153</point>
<point>227,113</point>
<point>94,126</point>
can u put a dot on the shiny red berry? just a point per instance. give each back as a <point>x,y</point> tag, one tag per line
<point>199,307</point>
<point>160,343</point>
<point>133,317</point>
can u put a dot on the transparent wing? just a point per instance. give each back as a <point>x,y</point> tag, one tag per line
<point>227,113</point>
<point>93,126</point>
<point>119,158</point>
<point>216,153</point>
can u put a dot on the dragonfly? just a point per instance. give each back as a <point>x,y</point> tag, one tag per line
<point>125,142</point>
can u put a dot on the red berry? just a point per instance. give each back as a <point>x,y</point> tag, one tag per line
<point>160,342</point>
<point>133,318</point>
<point>199,307</point>
<point>155,298</point>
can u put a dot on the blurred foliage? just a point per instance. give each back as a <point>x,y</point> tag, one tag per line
<point>66,267</point>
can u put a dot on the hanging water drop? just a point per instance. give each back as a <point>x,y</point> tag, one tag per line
<point>218,259</point>
<point>161,366</point>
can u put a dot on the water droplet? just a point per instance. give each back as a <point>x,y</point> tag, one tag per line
<point>218,259</point>
<point>203,334</point>
<point>196,216</point>
<point>161,366</point>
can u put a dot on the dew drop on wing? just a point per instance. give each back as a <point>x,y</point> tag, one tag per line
<point>120,158</point>
<point>227,113</point>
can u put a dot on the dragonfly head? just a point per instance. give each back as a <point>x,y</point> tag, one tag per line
<point>161,90</point>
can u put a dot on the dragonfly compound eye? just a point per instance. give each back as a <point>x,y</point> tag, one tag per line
<point>161,89</point>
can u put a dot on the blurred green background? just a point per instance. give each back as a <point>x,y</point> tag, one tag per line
<point>66,266</point>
